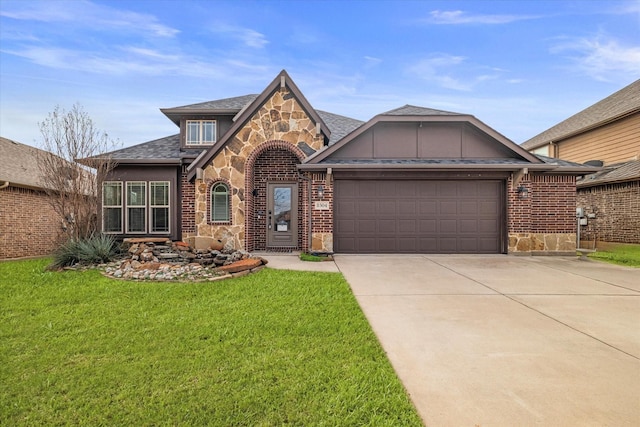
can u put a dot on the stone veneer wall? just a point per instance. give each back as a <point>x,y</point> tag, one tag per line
<point>617,212</point>
<point>544,222</point>
<point>282,120</point>
<point>29,226</point>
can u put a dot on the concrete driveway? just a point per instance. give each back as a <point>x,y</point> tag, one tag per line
<point>506,341</point>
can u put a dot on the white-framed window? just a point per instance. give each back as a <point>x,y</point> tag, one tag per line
<point>201,132</point>
<point>136,207</point>
<point>112,207</point>
<point>219,202</point>
<point>159,206</point>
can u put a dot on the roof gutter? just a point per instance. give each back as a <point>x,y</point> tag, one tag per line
<point>345,166</point>
<point>5,185</point>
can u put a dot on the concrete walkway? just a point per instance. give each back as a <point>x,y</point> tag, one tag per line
<point>506,341</point>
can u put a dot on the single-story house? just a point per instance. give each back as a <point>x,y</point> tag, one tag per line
<point>29,226</point>
<point>270,172</point>
<point>605,134</point>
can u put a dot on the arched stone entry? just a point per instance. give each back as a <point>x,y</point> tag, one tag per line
<point>272,166</point>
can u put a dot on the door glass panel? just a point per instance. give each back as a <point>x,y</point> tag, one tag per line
<point>282,208</point>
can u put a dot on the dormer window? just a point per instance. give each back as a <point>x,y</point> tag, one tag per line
<point>201,132</point>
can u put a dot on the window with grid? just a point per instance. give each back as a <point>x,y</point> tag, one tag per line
<point>136,207</point>
<point>159,206</point>
<point>220,203</point>
<point>112,207</point>
<point>201,132</point>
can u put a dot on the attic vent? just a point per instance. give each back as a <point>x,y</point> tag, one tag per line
<point>596,163</point>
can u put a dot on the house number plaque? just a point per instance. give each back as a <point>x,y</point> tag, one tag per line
<point>321,205</point>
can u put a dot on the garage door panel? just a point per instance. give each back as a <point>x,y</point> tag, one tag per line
<point>386,208</point>
<point>426,216</point>
<point>345,226</point>
<point>468,226</point>
<point>448,189</point>
<point>428,207</point>
<point>488,226</point>
<point>428,226</point>
<point>386,226</point>
<point>468,207</point>
<point>407,207</point>
<point>366,226</point>
<point>366,207</point>
<point>408,226</point>
<point>448,226</point>
<point>449,207</point>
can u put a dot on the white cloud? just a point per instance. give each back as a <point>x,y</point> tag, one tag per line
<point>88,15</point>
<point>437,69</point>
<point>456,17</point>
<point>601,57</point>
<point>247,36</point>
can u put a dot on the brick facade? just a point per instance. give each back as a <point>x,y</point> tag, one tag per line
<point>187,205</point>
<point>29,226</point>
<point>544,222</point>
<point>617,212</point>
<point>273,165</point>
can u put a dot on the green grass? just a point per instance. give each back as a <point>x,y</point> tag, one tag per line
<point>621,254</point>
<point>313,258</point>
<point>269,349</point>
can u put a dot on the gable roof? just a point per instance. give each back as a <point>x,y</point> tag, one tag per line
<point>624,102</point>
<point>219,106</point>
<point>19,164</point>
<point>281,80</point>
<point>411,113</point>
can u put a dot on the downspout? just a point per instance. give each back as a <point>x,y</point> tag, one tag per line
<point>5,185</point>
<point>310,188</point>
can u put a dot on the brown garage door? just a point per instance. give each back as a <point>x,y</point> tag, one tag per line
<point>418,216</point>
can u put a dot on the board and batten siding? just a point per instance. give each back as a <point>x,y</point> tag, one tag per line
<point>613,143</point>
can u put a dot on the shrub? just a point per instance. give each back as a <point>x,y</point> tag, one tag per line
<point>93,250</point>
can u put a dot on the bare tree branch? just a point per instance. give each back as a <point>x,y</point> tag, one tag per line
<point>69,137</point>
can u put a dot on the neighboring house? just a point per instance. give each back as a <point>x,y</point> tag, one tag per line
<point>605,134</point>
<point>269,172</point>
<point>28,224</point>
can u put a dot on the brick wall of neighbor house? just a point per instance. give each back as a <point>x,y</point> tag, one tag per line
<point>321,219</point>
<point>545,221</point>
<point>28,224</point>
<point>617,212</point>
<point>280,122</point>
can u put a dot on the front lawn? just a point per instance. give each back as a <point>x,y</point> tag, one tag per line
<point>269,349</point>
<point>620,253</point>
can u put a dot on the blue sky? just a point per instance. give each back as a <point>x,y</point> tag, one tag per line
<point>518,66</point>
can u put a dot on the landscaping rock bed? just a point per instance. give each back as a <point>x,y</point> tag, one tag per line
<point>158,259</point>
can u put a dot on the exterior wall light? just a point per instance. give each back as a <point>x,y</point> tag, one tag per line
<point>320,191</point>
<point>523,192</point>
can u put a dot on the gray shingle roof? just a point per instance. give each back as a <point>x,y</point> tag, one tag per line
<point>412,110</point>
<point>18,163</point>
<point>235,103</point>
<point>620,172</point>
<point>167,148</point>
<point>619,104</point>
<point>340,126</point>
<point>429,162</point>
